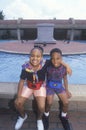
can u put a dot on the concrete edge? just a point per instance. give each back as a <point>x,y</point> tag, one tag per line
<point>24,53</point>
<point>77,102</point>
<point>78,90</point>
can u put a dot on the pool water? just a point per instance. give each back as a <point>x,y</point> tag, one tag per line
<point>10,67</point>
<point>5,41</point>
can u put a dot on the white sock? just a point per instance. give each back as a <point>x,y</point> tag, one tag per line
<point>63,114</point>
<point>40,125</point>
<point>46,113</point>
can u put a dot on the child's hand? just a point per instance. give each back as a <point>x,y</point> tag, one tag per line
<point>69,71</point>
<point>69,95</point>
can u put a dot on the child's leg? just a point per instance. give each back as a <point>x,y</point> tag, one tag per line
<point>60,106</point>
<point>40,96</point>
<point>41,106</point>
<point>49,101</point>
<point>19,104</point>
<point>63,114</point>
<point>63,97</point>
<point>20,101</point>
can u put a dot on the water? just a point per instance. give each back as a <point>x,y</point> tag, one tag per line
<point>10,67</point>
<point>5,41</point>
<point>80,41</point>
<point>78,65</point>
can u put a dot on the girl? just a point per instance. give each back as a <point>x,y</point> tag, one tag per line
<point>34,78</point>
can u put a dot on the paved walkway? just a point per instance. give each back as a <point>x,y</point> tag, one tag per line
<point>8,120</point>
<point>77,118</point>
<point>67,48</point>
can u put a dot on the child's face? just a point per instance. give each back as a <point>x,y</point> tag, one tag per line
<point>56,59</point>
<point>35,57</point>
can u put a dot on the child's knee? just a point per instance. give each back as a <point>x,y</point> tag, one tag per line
<point>41,107</point>
<point>18,103</point>
<point>66,103</point>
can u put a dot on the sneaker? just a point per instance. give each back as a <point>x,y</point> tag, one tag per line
<point>20,122</point>
<point>40,125</point>
<point>65,123</point>
<point>45,122</point>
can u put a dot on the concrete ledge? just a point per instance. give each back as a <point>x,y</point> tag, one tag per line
<point>8,90</point>
<point>77,102</point>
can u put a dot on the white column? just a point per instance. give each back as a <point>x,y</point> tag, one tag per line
<point>72,35</point>
<point>72,22</point>
<point>18,34</point>
<point>18,29</point>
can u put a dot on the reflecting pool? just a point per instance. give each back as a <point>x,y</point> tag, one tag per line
<point>10,67</point>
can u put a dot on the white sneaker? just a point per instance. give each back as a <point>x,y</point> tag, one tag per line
<point>40,125</point>
<point>20,122</point>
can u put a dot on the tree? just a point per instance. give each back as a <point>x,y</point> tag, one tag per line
<point>2,15</point>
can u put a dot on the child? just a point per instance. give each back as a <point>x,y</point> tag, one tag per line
<point>33,74</point>
<point>56,72</point>
<point>34,78</point>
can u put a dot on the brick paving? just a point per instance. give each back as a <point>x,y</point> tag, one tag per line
<point>8,117</point>
<point>67,48</point>
<point>8,120</point>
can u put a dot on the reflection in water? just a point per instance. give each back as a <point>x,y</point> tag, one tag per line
<point>10,67</point>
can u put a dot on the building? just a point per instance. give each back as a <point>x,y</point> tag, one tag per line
<point>21,29</point>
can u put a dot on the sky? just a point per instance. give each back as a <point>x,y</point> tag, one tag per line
<point>43,9</point>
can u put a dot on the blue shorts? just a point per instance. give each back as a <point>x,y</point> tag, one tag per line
<point>52,91</point>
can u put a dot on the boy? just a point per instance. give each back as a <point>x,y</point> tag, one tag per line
<point>56,77</point>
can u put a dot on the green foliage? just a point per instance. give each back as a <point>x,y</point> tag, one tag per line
<point>2,15</point>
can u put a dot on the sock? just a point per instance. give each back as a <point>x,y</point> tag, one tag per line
<point>46,113</point>
<point>40,125</point>
<point>63,114</point>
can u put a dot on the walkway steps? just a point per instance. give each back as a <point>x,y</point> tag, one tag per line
<point>30,123</point>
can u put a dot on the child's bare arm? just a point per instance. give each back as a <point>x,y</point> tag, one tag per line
<point>69,70</point>
<point>20,86</point>
<point>66,86</point>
